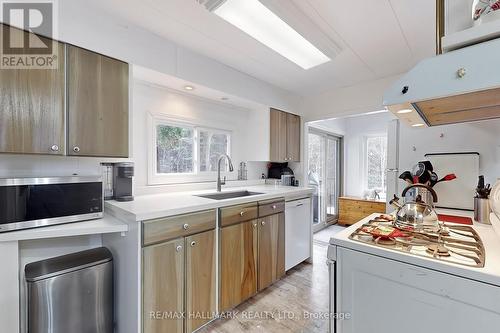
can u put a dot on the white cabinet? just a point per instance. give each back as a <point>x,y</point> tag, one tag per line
<point>388,296</point>
<point>298,232</point>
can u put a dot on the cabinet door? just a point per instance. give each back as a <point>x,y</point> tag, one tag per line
<point>32,106</point>
<point>163,287</point>
<point>293,137</point>
<point>271,249</point>
<point>97,104</point>
<point>200,279</point>
<point>238,264</point>
<point>278,136</point>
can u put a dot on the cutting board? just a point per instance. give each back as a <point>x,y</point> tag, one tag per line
<point>458,193</point>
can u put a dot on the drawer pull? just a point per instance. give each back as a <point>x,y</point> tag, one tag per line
<point>255,225</point>
<point>185,226</point>
<point>242,213</point>
<point>178,248</point>
<point>263,222</point>
<point>274,207</point>
<point>193,243</point>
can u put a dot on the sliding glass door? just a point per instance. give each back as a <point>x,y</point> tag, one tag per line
<point>324,175</point>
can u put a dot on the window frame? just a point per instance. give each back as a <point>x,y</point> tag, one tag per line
<point>365,160</point>
<point>155,178</point>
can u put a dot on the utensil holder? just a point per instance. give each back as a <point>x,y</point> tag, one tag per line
<point>482,210</point>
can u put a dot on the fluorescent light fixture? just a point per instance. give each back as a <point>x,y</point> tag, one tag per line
<point>255,19</point>
<point>417,125</point>
<point>405,111</point>
<point>189,87</point>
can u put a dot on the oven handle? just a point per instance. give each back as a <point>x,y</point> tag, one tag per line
<point>332,295</point>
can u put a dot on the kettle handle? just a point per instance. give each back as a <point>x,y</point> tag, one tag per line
<point>430,189</point>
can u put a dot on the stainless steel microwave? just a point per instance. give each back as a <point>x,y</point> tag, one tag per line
<point>37,202</point>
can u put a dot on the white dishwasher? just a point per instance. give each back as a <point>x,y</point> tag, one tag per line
<point>298,232</point>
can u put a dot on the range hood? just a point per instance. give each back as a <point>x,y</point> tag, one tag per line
<point>455,87</point>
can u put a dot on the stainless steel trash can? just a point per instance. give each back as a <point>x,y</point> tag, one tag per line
<point>71,293</point>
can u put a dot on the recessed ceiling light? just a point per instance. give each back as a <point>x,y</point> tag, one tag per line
<point>418,125</point>
<point>405,111</point>
<point>258,21</point>
<point>189,87</point>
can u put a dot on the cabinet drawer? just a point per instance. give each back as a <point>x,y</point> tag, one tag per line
<point>160,230</point>
<point>271,207</point>
<point>236,214</point>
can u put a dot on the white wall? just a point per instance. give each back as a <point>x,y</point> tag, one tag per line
<point>414,143</point>
<point>482,137</point>
<point>82,25</point>
<point>249,128</point>
<point>354,130</point>
<point>347,101</point>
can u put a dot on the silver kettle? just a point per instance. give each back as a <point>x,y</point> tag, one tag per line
<point>417,213</point>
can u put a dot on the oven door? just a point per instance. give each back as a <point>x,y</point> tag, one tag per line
<point>36,202</point>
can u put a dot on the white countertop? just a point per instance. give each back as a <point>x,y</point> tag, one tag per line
<point>147,207</point>
<point>490,273</point>
<point>107,224</point>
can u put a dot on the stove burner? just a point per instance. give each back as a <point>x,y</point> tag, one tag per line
<point>456,244</point>
<point>438,250</point>
<point>384,241</point>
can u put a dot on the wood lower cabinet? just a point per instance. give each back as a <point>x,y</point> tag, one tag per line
<point>252,257</point>
<point>238,263</point>
<point>200,280</point>
<point>179,284</point>
<point>271,249</point>
<point>98,104</point>
<point>32,105</point>
<point>163,287</point>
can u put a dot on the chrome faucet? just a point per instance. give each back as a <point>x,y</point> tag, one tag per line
<point>219,181</point>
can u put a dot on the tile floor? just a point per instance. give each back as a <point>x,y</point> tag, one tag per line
<point>285,306</point>
<point>288,305</point>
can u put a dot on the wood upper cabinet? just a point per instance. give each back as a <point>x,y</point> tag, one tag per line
<point>285,136</point>
<point>200,279</point>
<point>278,136</point>
<point>293,137</point>
<point>271,249</point>
<point>32,106</point>
<point>238,263</point>
<point>98,104</point>
<point>163,286</point>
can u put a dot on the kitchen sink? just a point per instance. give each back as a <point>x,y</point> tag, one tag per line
<point>228,195</point>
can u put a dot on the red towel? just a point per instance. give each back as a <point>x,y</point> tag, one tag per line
<point>455,219</point>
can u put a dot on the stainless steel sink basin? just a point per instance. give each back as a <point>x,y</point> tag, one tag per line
<point>228,195</point>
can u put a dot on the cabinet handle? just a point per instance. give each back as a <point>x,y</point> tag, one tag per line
<point>461,72</point>
<point>54,148</point>
<point>193,243</point>
<point>273,207</point>
<point>185,226</point>
<point>76,149</point>
<point>242,213</point>
<point>255,225</point>
<point>178,248</point>
<point>263,222</point>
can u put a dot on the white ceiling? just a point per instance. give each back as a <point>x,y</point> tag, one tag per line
<point>371,38</point>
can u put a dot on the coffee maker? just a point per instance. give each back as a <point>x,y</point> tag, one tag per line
<point>122,181</point>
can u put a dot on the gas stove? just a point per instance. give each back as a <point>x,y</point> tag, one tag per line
<point>451,243</point>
